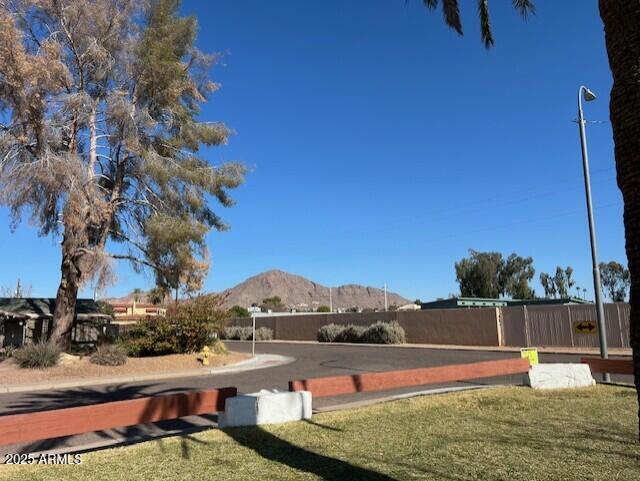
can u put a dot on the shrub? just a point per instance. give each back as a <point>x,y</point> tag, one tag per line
<point>238,333</point>
<point>385,333</point>
<point>329,332</point>
<point>110,355</point>
<point>351,333</point>
<point>152,337</point>
<point>7,352</point>
<point>219,348</point>
<point>264,334</point>
<point>323,309</point>
<point>39,355</point>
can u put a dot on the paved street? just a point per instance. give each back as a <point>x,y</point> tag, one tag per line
<point>312,360</point>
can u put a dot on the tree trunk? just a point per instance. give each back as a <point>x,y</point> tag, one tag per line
<point>65,309</point>
<point>621,20</point>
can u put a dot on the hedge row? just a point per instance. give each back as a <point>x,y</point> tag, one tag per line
<point>237,333</point>
<point>377,333</point>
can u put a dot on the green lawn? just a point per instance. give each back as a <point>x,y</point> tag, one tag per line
<point>497,434</point>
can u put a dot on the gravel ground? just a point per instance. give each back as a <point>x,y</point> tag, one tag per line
<point>11,374</point>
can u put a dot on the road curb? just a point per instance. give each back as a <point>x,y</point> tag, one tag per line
<point>261,361</point>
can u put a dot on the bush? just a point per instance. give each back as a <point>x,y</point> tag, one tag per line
<point>39,355</point>
<point>238,333</point>
<point>329,332</point>
<point>159,336</point>
<point>385,333</point>
<point>378,333</point>
<point>219,348</point>
<point>152,337</point>
<point>264,334</point>
<point>110,355</point>
<point>351,333</point>
<point>7,352</point>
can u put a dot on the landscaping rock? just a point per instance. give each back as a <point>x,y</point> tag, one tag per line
<point>65,359</point>
<point>266,407</point>
<point>559,376</point>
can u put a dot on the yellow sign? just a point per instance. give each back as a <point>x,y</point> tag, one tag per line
<point>585,327</point>
<point>530,353</point>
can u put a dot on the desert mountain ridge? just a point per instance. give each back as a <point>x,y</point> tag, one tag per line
<point>295,292</point>
<point>299,292</point>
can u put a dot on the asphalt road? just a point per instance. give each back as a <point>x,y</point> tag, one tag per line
<point>312,360</point>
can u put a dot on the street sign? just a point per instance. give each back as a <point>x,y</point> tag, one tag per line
<point>531,354</point>
<point>585,327</point>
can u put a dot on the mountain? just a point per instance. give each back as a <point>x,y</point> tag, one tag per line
<point>297,291</point>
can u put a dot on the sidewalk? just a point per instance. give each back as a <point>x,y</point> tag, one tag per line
<point>261,361</point>
<point>584,351</point>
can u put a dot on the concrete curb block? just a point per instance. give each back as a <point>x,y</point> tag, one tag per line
<point>559,376</point>
<point>265,407</point>
<point>261,361</point>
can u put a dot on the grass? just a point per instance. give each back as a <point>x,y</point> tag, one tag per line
<point>498,434</point>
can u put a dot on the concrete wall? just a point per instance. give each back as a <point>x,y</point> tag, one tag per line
<point>477,327</point>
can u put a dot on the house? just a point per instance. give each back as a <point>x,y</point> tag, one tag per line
<point>134,311</point>
<point>25,319</point>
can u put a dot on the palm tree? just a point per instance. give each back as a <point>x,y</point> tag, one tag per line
<point>621,19</point>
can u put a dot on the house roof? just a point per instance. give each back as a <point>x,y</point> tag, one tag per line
<point>42,308</point>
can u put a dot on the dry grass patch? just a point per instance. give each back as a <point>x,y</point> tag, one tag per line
<point>507,434</point>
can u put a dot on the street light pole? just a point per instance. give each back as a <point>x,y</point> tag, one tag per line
<point>597,288</point>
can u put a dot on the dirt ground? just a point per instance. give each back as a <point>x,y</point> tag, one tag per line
<point>82,368</point>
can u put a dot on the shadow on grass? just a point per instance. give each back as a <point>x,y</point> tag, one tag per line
<point>273,448</point>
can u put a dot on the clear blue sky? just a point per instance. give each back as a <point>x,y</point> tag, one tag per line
<point>383,146</point>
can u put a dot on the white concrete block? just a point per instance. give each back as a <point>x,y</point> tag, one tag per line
<point>265,407</point>
<point>559,376</point>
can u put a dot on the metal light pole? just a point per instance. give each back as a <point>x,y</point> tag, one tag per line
<point>597,288</point>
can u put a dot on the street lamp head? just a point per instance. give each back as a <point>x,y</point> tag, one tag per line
<point>588,94</point>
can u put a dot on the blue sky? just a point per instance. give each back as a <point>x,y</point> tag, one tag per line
<point>382,145</point>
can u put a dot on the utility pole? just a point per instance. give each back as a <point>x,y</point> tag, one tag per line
<point>597,287</point>
<point>330,301</point>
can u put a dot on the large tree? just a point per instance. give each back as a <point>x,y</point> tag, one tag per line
<point>621,19</point>
<point>615,280</point>
<point>488,274</point>
<point>100,135</point>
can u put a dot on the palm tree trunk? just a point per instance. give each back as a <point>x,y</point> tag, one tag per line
<point>621,20</point>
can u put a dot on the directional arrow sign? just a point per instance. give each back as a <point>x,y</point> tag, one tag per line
<point>585,327</point>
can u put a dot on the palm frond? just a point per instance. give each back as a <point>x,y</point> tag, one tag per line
<point>431,4</point>
<point>485,24</point>
<point>452,14</point>
<point>525,7</point>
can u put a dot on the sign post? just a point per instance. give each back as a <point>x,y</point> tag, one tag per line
<point>253,337</point>
<point>531,354</point>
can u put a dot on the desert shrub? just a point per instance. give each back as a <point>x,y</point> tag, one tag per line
<point>329,332</point>
<point>264,334</point>
<point>110,355</point>
<point>231,333</point>
<point>38,355</point>
<point>239,333</point>
<point>159,336</point>
<point>151,337</point>
<point>351,333</point>
<point>219,348</point>
<point>384,333</point>
<point>323,309</point>
<point>7,352</point>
